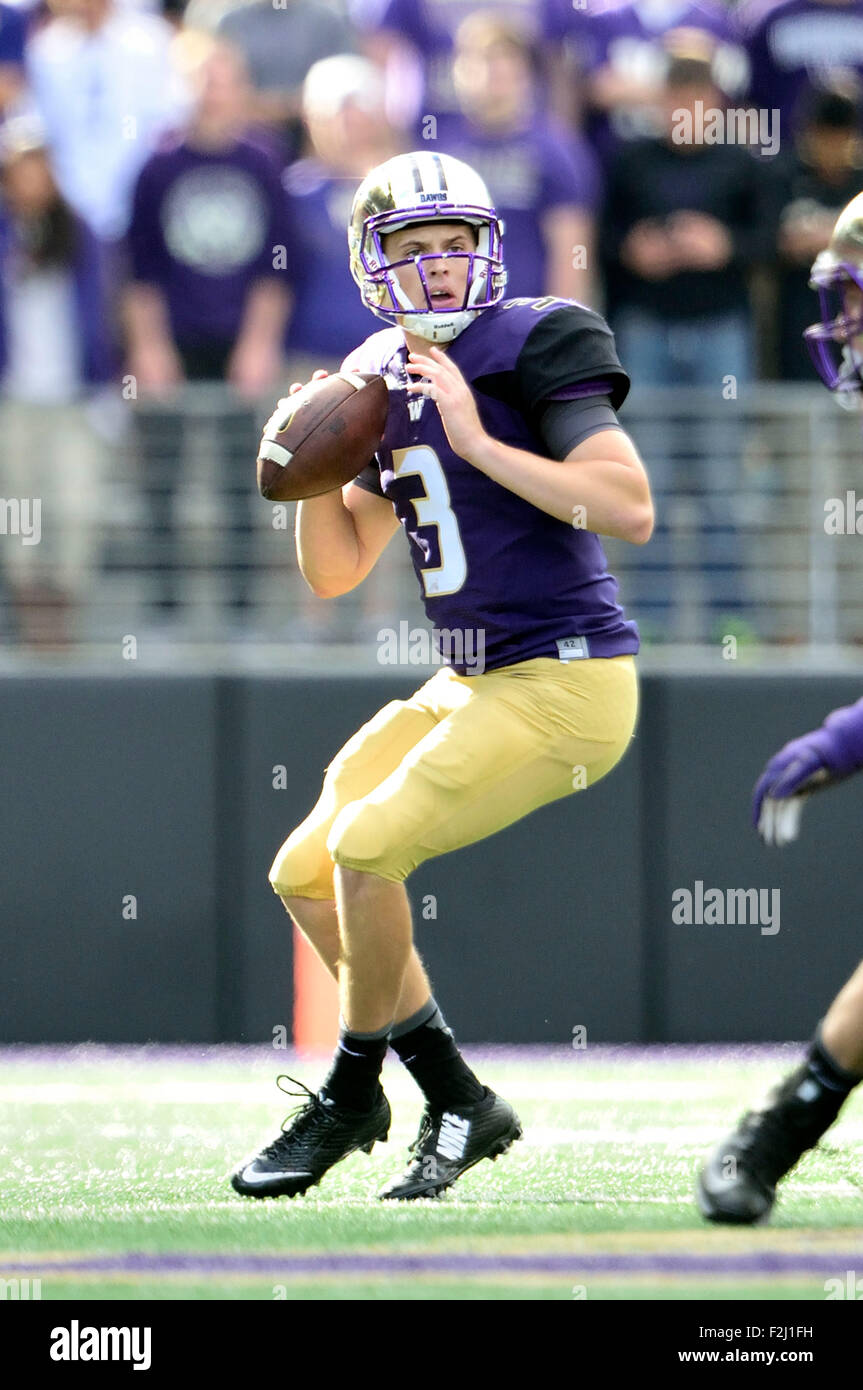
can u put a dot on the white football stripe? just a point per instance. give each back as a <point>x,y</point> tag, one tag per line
<point>276,453</point>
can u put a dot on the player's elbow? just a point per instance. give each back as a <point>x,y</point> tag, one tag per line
<point>640,525</point>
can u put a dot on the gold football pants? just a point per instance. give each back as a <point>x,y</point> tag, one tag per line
<point>464,757</point>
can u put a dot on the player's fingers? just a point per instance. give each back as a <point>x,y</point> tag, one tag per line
<point>765,821</point>
<point>788,815</point>
<point>319,374</point>
<point>792,778</point>
<point>294,387</point>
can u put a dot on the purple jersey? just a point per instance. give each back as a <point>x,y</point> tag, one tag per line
<point>487,561</point>
<point>13,34</point>
<point>205,226</point>
<point>797,43</point>
<point>528,173</point>
<point>430,26</point>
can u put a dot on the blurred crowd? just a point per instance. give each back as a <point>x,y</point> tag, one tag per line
<point>175,183</point>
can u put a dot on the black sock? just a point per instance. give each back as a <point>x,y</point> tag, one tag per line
<point>813,1095</point>
<point>428,1050</point>
<point>354,1077</point>
<point>834,1083</point>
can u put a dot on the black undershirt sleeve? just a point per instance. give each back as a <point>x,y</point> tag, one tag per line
<point>563,425</point>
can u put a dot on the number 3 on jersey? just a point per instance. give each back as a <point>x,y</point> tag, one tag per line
<point>434,509</point>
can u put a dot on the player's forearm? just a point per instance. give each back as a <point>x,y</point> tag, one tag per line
<point>145,316</point>
<point>328,548</point>
<point>603,495</point>
<point>266,312</point>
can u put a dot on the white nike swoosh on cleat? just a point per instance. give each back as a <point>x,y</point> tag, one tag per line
<point>250,1176</point>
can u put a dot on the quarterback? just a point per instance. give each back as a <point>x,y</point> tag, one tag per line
<point>737,1184</point>
<point>503,462</point>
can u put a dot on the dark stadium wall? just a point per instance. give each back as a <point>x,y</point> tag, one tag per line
<point>141,814</point>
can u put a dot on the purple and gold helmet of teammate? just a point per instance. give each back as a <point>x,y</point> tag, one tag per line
<point>420,188</point>
<point>836,343</point>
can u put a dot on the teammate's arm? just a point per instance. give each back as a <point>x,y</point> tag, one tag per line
<point>340,537</point>
<point>601,485</point>
<point>817,759</point>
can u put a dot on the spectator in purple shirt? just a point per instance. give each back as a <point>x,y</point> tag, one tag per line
<point>416,38</point>
<point>796,44</point>
<point>624,50</point>
<point>210,257</point>
<point>13,34</point>
<point>544,182</point>
<point>348,131</point>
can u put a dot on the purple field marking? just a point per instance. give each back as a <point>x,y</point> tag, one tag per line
<point>753,1263</point>
<point>211,1054</point>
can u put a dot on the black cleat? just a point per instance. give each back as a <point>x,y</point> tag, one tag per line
<point>321,1135</point>
<point>737,1184</point>
<point>449,1143</point>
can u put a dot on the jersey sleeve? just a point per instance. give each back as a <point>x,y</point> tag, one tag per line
<point>568,347</point>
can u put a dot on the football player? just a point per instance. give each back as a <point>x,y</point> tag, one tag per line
<point>738,1182</point>
<point>503,461</point>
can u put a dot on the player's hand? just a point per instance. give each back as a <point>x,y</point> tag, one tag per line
<point>805,765</point>
<point>782,789</point>
<point>296,386</point>
<point>453,397</point>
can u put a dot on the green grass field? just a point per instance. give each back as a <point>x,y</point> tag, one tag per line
<point>116,1164</point>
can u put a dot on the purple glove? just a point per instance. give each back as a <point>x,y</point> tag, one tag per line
<point>817,759</point>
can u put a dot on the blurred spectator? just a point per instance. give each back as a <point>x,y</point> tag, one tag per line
<point>105,88</point>
<point>53,354</point>
<point>13,33</point>
<point>544,184</point>
<point>343,106</point>
<point>822,175</point>
<point>280,40</point>
<point>624,51</point>
<point>416,40</point>
<point>685,222</point>
<point>795,44</point>
<point>210,254</point>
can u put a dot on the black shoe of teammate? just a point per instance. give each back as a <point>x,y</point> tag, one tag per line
<point>737,1184</point>
<point>321,1135</point>
<point>449,1143</point>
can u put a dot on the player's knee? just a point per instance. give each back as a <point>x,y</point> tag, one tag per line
<point>359,840</point>
<point>299,870</point>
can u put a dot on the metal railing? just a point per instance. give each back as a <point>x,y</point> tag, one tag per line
<point>151,520</point>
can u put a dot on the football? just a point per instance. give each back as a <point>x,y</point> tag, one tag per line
<point>322,436</point>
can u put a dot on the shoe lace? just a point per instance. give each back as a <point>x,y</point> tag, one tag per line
<point>769,1147</point>
<point>301,1118</point>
